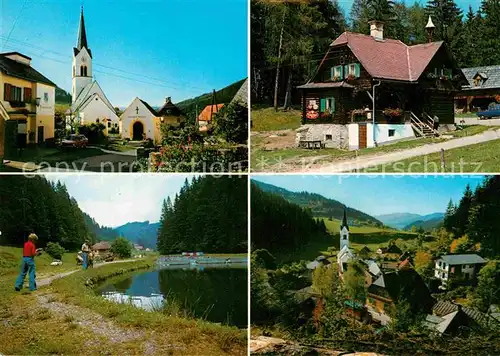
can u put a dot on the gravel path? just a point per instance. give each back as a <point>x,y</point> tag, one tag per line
<point>367,161</point>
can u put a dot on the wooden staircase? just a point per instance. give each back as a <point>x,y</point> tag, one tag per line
<point>423,127</point>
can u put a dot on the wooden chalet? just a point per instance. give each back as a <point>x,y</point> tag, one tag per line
<point>370,90</point>
<point>481,89</point>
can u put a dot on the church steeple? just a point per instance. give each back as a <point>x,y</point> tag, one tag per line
<point>344,232</point>
<point>344,221</point>
<point>82,34</point>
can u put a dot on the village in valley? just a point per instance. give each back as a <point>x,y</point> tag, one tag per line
<point>44,128</point>
<point>381,86</point>
<point>327,277</point>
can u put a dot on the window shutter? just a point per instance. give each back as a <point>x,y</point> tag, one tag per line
<point>332,107</point>
<point>332,72</point>
<point>357,70</point>
<point>322,105</point>
<point>27,95</point>
<point>346,71</point>
<point>6,92</point>
<point>341,72</point>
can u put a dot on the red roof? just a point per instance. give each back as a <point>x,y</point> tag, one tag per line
<point>388,58</point>
<point>205,114</point>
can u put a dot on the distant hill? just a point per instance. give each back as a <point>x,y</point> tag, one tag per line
<point>223,96</point>
<point>404,221</point>
<point>426,224</point>
<point>142,233</point>
<point>62,96</point>
<point>319,205</point>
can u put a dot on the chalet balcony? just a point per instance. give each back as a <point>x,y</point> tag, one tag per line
<point>381,116</point>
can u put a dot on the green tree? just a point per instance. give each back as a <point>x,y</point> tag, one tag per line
<point>231,123</point>
<point>325,280</point>
<point>121,247</point>
<point>354,282</point>
<point>487,291</point>
<point>54,250</point>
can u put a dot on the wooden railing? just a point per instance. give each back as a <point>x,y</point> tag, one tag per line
<point>423,127</point>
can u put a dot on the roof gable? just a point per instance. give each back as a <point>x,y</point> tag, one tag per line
<point>19,70</point>
<point>131,110</point>
<point>209,111</point>
<point>388,58</point>
<point>87,92</point>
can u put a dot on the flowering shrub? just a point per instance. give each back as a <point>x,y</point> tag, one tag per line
<point>393,112</point>
<point>337,78</point>
<point>351,77</point>
<point>497,98</point>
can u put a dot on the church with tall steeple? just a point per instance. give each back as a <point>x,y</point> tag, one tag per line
<point>345,254</point>
<point>89,103</point>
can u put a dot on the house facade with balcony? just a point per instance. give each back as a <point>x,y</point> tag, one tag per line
<point>27,100</point>
<point>465,266</point>
<point>369,90</point>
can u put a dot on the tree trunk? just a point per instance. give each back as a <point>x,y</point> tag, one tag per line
<point>278,65</point>
<point>288,94</point>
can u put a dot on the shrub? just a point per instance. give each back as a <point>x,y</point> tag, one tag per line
<point>55,250</point>
<point>94,132</point>
<point>121,247</point>
<point>264,258</point>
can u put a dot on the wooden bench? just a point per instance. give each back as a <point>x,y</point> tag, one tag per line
<point>311,144</point>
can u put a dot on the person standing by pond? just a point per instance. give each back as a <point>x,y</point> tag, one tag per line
<point>85,254</point>
<point>28,264</point>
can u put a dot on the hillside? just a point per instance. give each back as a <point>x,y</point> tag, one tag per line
<point>402,220</point>
<point>320,206</point>
<point>427,225</point>
<point>223,96</point>
<point>62,96</point>
<point>142,233</point>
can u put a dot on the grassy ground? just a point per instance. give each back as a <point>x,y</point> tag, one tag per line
<point>270,160</point>
<point>267,119</point>
<point>482,157</point>
<point>31,328</point>
<point>371,236</point>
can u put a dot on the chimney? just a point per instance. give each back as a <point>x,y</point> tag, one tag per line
<point>430,29</point>
<point>18,57</point>
<point>168,99</point>
<point>377,29</point>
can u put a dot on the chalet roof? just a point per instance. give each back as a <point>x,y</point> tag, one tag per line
<point>463,259</point>
<point>373,267</point>
<point>389,58</point>
<point>325,85</point>
<point>22,71</point>
<point>103,245</point>
<point>491,73</point>
<point>209,109</point>
<point>169,109</point>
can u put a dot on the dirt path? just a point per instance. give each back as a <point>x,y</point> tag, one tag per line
<point>48,280</point>
<point>367,161</point>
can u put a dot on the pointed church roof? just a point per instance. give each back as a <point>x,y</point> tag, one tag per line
<point>344,221</point>
<point>82,37</point>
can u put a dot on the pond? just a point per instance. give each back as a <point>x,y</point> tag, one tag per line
<point>216,293</point>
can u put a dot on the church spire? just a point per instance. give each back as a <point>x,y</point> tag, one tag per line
<point>344,221</point>
<point>82,34</point>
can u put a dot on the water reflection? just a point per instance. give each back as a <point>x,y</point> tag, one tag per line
<point>216,293</point>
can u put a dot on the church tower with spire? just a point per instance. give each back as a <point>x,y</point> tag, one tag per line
<point>82,61</point>
<point>344,232</point>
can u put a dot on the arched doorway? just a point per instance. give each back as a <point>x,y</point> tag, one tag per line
<point>137,131</point>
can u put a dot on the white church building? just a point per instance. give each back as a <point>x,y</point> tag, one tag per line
<point>89,103</point>
<point>345,254</point>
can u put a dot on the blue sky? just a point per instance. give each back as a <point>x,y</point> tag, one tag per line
<point>180,48</point>
<point>381,194</point>
<point>115,199</point>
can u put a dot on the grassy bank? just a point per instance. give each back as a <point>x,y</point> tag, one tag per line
<point>34,328</point>
<point>267,119</point>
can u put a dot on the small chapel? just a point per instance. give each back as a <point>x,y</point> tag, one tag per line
<point>89,103</point>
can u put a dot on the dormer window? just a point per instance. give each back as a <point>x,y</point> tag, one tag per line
<point>479,78</point>
<point>352,70</point>
<point>336,73</point>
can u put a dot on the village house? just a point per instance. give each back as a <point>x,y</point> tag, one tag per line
<point>370,90</point>
<point>204,120</point>
<point>27,101</point>
<point>89,103</point>
<point>482,89</point>
<point>390,252</point>
<point>140,121</point>
<point>101,248</point>
<point>464,267</point>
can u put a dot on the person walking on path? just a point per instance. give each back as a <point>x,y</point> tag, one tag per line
<point>28,263</point>
<point>85,254</point>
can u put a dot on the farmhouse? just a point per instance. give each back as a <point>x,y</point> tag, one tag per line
<point>481,89</point>
<point>27,101</point>
<point>205,118</point>
<point>458,266</point>
<point>101,247</point>
<point>370,90</point>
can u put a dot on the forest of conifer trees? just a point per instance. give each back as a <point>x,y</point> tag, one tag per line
<point>474,219</point>
<point>278,225</point>
<point>209,214</point>
<point>289,39</point>
<point>43,207</point>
